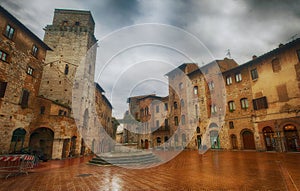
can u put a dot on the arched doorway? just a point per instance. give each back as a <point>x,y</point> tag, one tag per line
<point>146,144</point>
<point>65,150</point>
<point>248,139</point>
<point>158,141</point>
<point>233,141</point>
<point>17,140</point>
<point>199,141</point>
<point>142,143</point>
<point>291,138</point>
<point>82,149</point>
<point>41,140</point>
<point>269,138</point>
<point>214,139</point>
<point>73,146</point>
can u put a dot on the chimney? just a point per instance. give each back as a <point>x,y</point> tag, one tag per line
<point>280,45</point>
<point>253,57</point>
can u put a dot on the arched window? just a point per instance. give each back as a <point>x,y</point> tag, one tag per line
<point>176,120</point>
<point>183,120</point>
<point>195,90</point>
<point>175,105</point>
<point>86,118</point>
<point>66,69</point>
<point>182,103</point>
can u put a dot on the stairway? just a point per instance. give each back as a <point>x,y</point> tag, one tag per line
<point>124,159</point>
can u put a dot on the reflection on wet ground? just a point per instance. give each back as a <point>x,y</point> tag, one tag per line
<point>188,171</point>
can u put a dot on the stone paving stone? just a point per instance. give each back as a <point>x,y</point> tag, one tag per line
<point>222,170</point>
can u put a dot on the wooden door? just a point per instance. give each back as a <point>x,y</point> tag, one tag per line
<point>248,140</point>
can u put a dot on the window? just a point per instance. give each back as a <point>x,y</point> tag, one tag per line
<point>166,123</point>
<point>254,74</point>
<point>175,105</point>
<point>231,125</point>
<point>66,69</point>
<point>211,85</point>
<point>213,109</point>
<point>228,80</point>
<point>244,103</point>
<point>176,120</point>
<point>276,65</point>
<point>29,71</point>
<point>180,85</point>
<point>182,103</point>
<point>195,90</point>
<point>157,123</point>
<point>42,110</point>
<point>238,77</point>
<point>24,99</point>
<point>196,111</point>
<point>158,140</point>
<point>231,106</point>
<point>2,88</point>
<point>157,108</point>
<point>282,93</point>
<point>77,23</point>
<point>298,54</point>
<point>166,106</point>
<point>34,50</point>
<point>65,23</point>
<point>260,103</point>
<point>198,130</point>
<point>61,112</point>
<point>3,56</point>
<point>183,120</point>
<point>9,32</point>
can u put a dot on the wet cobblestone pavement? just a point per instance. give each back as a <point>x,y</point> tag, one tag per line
<point>188,171</point>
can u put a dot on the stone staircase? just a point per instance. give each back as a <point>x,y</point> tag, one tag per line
<point>141,158</point>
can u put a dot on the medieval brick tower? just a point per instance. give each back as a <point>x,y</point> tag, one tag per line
<point>70,36</point>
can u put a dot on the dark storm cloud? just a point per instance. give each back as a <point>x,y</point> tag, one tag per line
<point>114,14</point>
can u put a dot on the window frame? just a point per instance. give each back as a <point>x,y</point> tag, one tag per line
<point>260,103</point>
<point>29,70</point>
<point>231,106</point>
<point>34,50</point>
<point>213,108</point>
<point>7,33</point>
<point>228,80</point>
<point>238,77</point>
<point>3,87</point>
<point>244,103</point>
<point>254,74</point>
<point>195,90</point>
<point>1,56</point>
<point>176,122</point>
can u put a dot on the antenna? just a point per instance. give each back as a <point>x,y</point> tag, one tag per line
<point>228,53</point>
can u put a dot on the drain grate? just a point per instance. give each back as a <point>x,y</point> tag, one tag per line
<point>84,175</point>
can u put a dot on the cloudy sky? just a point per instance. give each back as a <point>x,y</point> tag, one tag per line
<point>132,54</point>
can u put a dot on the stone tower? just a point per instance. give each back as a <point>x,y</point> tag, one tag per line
<point>70,36</point>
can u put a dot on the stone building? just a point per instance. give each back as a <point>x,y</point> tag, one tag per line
<point>22,56</point>
<point>223,105</point>
<point>54,107</point>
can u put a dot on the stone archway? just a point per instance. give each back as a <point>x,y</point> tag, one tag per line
<point>269,138</point>
<point>292,141</point>
<point>41,141</point>
<point>248,139</point>
<point>214,139</point>
<point>17,140</point>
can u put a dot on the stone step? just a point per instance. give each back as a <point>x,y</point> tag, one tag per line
<point>125,159</point>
